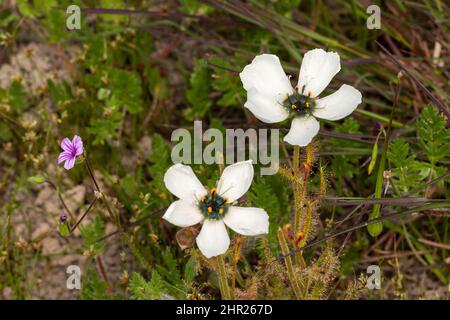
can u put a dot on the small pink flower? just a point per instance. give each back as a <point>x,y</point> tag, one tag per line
<point>72,150</point>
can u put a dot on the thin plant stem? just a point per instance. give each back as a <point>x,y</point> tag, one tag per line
<point>236,255</point>
<point>306,211</point>
<point>296,160</point>
<point>108,208</point>
<point>233,277</point>
<point>101,267</point>
<point>91,173</point>
<point>288,263</point>
<point>223,281</point>
<point>295,188</point>
<point>131,225</point>
<point>83,216</point>
<point>376,228</point>
<point>299,186</point>
<point>72,217</point>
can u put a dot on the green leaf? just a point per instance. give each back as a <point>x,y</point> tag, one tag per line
<point>432,134</point>
<point>113,4</point>
<point>106,127</point>
<point>37,8</point>
<point>14,96</point>
<point>170,269</point>
<point>194,7</point>
<point>373,159</point>
<point>406,172</point>
<point>5,132</point>
<point>63,229</point>
<point>37,179</point>
<point>271,194</point>
<point>374,228</point>
<point>94,287</point>
<point>103,93</point>
<point>228,84</point>
<point>55,21</point>
<point>346,166</point>
<point>160,158</point>
<point>190,271</point>
<point>91,233</point>
<point>140,289</point>
<point>17,96</point>
<point>126,91</point>
<point>26,9</point>
<point>198,93</point>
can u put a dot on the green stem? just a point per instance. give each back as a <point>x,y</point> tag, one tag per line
<point>376,228</point>
<point>223,281</point>
<point>296,159</point>
<point>296,189</point>
<point>288,263</point>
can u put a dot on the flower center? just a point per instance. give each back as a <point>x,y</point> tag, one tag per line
<point>299,104</point>
<point>213,206</point>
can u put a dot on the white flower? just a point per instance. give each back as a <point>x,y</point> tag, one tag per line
<point>271,98</point>
<point>214,208</point>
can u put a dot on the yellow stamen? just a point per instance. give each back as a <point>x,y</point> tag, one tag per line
<point>293,106</point>
<point>307,104</point>
<point>203,199</point>
<point>209,209</point>
<point>213,190</point>
<point>220,211</point>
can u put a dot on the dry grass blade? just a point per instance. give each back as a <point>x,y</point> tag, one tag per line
<point>437,102</point>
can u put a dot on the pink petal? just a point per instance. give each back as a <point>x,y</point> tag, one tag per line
<point>69,163</point>
<point>78,145</point>
<point>63,156</point>
<point>66,145</point>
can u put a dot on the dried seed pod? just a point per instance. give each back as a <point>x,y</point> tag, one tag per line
<point>186,237</point>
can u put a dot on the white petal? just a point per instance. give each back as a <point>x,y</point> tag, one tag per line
<point>235,180</point>
<point>266,108</point>
<point>213,239</point>
<point>266,75</point>
<point>181,181</point>
<point>183,214</point>
<point>247,221</point>
<point>303,129</point>
<point>317,70</point>
<point>339,104</point>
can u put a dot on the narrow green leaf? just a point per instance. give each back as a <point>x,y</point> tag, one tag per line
<point>373,160</point>
<point>37,179</point>
<point>63,229</point>
<point>189,270</point>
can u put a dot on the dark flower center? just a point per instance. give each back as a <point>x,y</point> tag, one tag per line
<point>299,104</point>
<point>213,206</point>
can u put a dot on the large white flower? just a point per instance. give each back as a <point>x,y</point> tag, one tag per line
<point>271,98</point>
<point>214,208</point>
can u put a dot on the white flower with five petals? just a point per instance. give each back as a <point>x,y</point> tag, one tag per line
<point>271,98</point>
<point>214,208</point>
